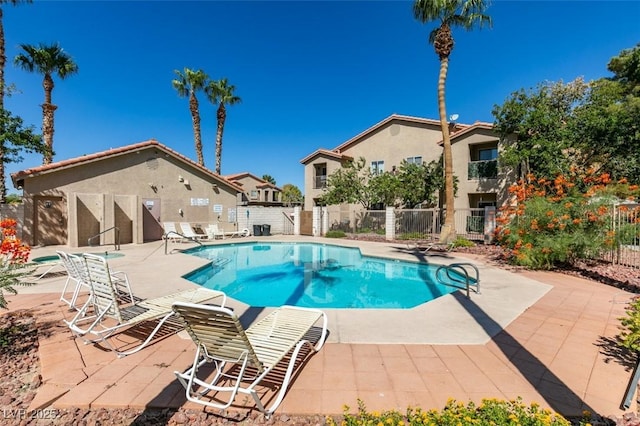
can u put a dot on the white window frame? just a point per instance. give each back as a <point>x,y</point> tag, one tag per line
<point>377,167</point>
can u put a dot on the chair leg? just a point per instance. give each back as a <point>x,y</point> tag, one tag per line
<point>189,380</point>
<point>285,382</point>
<point>147,340</point>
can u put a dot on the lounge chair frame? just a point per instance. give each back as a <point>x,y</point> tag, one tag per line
<point>221,339</point>
<point>77,273</point>
<point>425,246</point>
<point>213,232</point>
<point>189,233</point>
<point>102,307</point>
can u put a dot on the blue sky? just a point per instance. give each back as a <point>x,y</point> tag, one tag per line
<point>311,74</point>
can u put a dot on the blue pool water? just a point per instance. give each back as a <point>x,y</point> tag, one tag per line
<point>314,275</point>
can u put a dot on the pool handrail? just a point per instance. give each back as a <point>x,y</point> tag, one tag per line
<point>467,279</point>
<point>184,237</point>
<point>116,241</point>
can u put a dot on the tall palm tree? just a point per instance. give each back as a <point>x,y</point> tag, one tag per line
<point>3,55</point>
<point>3,61</point>
<point>188,84</point>
<point>448,13</point>
<point>46,60</point>
<point>221,92</point>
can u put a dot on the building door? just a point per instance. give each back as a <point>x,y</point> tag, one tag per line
<point>50,221</point>
<point>306,222</point>
<point>151,220</point>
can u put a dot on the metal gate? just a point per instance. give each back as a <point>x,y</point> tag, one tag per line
<point>306,223</point>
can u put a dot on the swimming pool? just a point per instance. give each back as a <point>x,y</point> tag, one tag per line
<point>314,275</point>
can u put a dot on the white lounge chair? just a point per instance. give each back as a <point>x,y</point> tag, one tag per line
<point>425,246</point>
<point>74,276</point>
<point>78,276</point>
<point>104,316</point>
<point>189,233</point>
<point>272,345</point>
<point>213,232</point>
<point>171,232</point>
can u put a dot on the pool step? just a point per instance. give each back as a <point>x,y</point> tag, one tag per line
<point>220,262</point>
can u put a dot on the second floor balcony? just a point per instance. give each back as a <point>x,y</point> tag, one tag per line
<point>485,169</point>
<point>320,181</point>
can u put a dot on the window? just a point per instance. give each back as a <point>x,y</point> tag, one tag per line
<point>320,177</point>
<point>377,167</point>
<point>487,154</point>
<point>414,160</point>
<point>254,194</point>
<point>483,204</point>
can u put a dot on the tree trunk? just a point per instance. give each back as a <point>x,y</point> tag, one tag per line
<point>3,60</point>
<point>195,118</point>
<point>222,116</point>
<point>47,131</point>
<point>448,231</point>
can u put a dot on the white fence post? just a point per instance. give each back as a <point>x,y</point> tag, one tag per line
<point>489,223</point>
<point>316,221</point>
<point>324,213</point>
<point>390,224</point>
<point>296,220</point>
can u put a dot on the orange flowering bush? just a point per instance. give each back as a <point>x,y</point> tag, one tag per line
<point>558,221</point>
<point>13,259</point>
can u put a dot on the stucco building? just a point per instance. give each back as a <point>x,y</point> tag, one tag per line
<point>256,191</point>
<point>417,140</point>
<point>131,190</point>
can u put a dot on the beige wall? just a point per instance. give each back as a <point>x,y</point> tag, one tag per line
<point>310,193</point>
<point>398,140</point>
<point>470,191</point>
<point>109,192</point>
<point>249,183</point>
<point>392,143</point>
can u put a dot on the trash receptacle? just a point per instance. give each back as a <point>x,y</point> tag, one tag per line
<point>266,230</point>
<point>257,230</point>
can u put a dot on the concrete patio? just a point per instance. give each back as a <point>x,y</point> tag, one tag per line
<point>546,337</point>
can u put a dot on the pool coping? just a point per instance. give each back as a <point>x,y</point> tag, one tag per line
<point>450,319</point>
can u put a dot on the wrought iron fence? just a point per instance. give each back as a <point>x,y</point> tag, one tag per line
<point>426,223</point>
<point>410,224</point>
<point>625,223</point>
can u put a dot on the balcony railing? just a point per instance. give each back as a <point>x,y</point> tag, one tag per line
<point>320,182</point>
<point>486,169</point>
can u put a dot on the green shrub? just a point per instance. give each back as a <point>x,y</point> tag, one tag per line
<point>335,234</point>
<point>630,335</point>
<point>488,412</point>
<point>554,222</point>
<point>463,242</point>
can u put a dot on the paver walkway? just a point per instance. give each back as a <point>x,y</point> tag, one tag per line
<point>559,353</point>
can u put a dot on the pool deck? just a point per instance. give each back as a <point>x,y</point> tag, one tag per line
<point>548,338</point>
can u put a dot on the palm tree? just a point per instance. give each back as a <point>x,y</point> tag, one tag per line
<point>448,13</point>
<point>3,61</point>
<point>221,92</point>
<point>3,56</point>
<point>188,84</point>
<point>47,60</point>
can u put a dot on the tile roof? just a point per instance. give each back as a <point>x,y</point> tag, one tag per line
<point>469,129</point>
<point>89,158</point>
<point>326,152</point>
<point>263,183</point>
<point>336,152</point>
<point>392,117</point>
